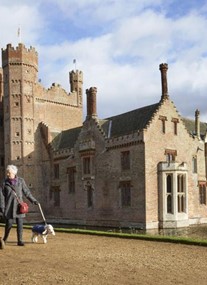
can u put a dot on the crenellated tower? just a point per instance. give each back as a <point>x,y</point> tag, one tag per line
<point>20,69</point>
<point>76,85</point>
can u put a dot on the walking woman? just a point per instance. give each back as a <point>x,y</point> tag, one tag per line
<point>9,204</point>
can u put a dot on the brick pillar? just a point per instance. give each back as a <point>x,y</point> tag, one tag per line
<point>163,69</point>
<point>91,102</point>
<point>197,123</point>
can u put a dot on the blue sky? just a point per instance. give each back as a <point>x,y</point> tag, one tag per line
<point>118,44</point>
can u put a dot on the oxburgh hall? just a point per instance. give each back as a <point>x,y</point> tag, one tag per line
<point>145,168</point>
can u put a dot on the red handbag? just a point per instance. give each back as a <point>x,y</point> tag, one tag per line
<point>23,207</point>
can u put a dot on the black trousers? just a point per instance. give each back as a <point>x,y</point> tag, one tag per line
<point>8,226</point>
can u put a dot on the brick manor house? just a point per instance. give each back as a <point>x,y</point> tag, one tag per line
<point>145,168</point>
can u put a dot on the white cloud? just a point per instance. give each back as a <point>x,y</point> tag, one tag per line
<point>118,45</point>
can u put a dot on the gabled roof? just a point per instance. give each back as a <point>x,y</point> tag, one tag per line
<point>121,125</point>
<point>115,126</point>
<point>129,122</point>
<point>66,139</point>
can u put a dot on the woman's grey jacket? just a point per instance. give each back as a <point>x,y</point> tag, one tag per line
<point>8,200</point>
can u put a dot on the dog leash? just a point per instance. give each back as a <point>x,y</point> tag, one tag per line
<point>42,213</point>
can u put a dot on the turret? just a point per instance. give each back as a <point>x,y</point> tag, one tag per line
<point>76,84</point>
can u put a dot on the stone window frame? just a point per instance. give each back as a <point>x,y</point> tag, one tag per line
<point>175,125</point>
<point>86,162</point>
<point>71,177</point>
<point>125,160</point>
<point>163,120</point>
<point>181,193</point>
<point>202,192</point>
<point>56,171</point>
<point>170,155</point>
<point>125,193</point>
<point>169,193</point>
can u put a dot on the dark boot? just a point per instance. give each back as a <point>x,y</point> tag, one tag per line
<point>19,231</point>
<point>8,227</point>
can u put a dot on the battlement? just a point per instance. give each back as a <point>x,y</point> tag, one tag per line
<point>77,73</point>
<point>19,55</point>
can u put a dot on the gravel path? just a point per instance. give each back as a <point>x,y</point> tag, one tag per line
<point>92,260</point>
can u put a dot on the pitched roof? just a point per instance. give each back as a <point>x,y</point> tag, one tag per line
<point>66,139</point>
<point>129,122</point>
<point>120,125</point>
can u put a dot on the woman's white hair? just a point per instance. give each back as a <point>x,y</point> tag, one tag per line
<point>12,168</point>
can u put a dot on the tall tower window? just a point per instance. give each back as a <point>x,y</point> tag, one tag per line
<point>71,179</point>
<point>56,171</point>
<point>125,193</point>
<point>90,197</point>
<point>89,189</point>
<point>57,197</point>
<point>86,165</point>
<point>202,192</point>
<point>125,160</point>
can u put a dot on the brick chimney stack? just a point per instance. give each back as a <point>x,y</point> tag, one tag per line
<point>91,102</point>
<point>163,69</point>
<point>197,123</point>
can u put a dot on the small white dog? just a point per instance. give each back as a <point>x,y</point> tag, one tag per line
<point>43,231</point>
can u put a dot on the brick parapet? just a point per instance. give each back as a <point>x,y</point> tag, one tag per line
<point>19,55</point>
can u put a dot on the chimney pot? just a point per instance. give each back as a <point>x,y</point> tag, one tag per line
<point>197,123</point>
<point>163,69</point>
<point>91,102</point>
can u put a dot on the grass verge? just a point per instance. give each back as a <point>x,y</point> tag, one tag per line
<point>157,238</point>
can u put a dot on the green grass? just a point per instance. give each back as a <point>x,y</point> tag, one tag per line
<point>157,238</point>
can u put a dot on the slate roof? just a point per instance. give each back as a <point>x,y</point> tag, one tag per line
<point>129,122</point>
<point>66,139</point>
<point>120,125</point>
